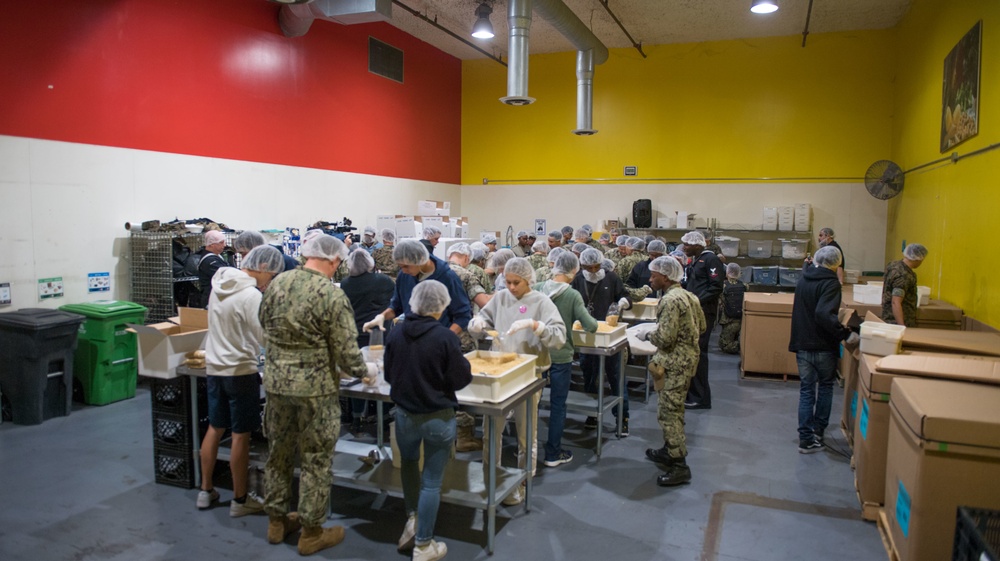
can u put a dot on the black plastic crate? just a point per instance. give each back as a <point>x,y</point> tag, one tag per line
<point>977,535</point>
<point>174,466</point>
<point>173,396</point>
<point>172,430</point>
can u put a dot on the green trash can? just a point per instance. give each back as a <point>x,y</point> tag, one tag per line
<point>106,362</point>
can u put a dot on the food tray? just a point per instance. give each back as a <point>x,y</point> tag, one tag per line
<point>602,338</point>
<point>881,339</point>
<point>642,310</point>
<point>496,388</point>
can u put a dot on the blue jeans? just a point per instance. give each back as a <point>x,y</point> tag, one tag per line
<point>422,491</point>
<point>559,376</point>
<point>817,373</point>
<point>590,365</point>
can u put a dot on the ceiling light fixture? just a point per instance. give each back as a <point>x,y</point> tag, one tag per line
<point>763,6</point>
<point>483,29</point>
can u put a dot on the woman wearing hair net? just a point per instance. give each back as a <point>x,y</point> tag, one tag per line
<point>232,347</point>
<point>731,316</point>
<point>679,324</point>
<point>531,324</point>
<point>571,309</point>
<point>899,289</point>
<point>601,289</point>
<point>424,366</point>
<point>369,293</point>
<point>311,336</point>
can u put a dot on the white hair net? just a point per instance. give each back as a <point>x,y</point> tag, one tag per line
<point>263,259</point>
<point>608,265</point>
<point>460,248</point>
<point>541,246</point>
<point>694,237</point>
<point>478,245</point>
<point>605,237</point>
<point>588,228</point>
<point>668,267</point>
<point>566,230</point>
<point>388,235</point>
<point>828,257</point>
<point>581,247</point>
<point>555,235</point>
<point>590,256</point>
<point>554,254</point>
<point>500,259</point>
<point>410,252</point>
<point>581,234</point>
<point>566,264</point>
<point>656,246</point>
<point>489,238</point>
<point>323,246</point>
<point>310,234</point>
<point>429,297</point>
<point>522,233</point>
<point>477,255</point>
<point>360,262</point>
<point>637,244</point>
<point>431,231</point>
<point>733,271</point>
<point>521,267</point>
<point>622,240</point>
<point>915,252</point>
<point>247,240</point>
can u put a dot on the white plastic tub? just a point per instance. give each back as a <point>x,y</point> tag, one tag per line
<point>730,246</point>
<point>923,295</point>
<point>759,248</point>
<point>600,339</point>
<point>881,339</point>
<point>496,388</point>
<point>794,249</point>
<point>642,310</point>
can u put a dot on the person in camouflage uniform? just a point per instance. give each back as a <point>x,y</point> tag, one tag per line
<point>679,323</point>
<point>635,254</point>
<point>617,253</point>
<point>731,314</point>
<point>537,258</point>
<point>459,256</point>
<point>476,263</point>
<point>311,336</point>
<point>899,289</point>
<point>384,262</point>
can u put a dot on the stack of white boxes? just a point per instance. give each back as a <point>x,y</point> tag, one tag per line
<point>786,218</point>
<point>770,218</point>
<point>803,217</point>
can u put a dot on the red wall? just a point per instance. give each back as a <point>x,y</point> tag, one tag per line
<point>217,78</point>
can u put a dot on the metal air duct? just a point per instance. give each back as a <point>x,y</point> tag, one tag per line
<point>519,22</point>
<point>295,19</point>
<point>585,93</point>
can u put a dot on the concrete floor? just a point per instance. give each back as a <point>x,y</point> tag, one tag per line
<point>81,488</point>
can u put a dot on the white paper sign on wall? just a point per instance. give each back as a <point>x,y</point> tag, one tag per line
<point>5,294</point>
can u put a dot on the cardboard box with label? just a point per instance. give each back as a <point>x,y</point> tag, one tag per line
<point>765,332</point>
<point>433,208</point>
<point>849,365</point>
<point>162,346</point>
<point>944,452</point>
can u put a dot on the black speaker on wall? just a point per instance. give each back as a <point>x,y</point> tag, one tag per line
<point>642,213</point>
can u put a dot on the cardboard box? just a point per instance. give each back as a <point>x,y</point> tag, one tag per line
<point>945,340</point>
<point>431,221</point>
<point>938,314</point>
<point>765,332</point>
<point>433,208</point>
<point>682,219</point>
<point>406,227</point>
<point>663,222</point>
<point>383,222</point>
<point>871,432</point>
<point>849,364</point>
<point>944,452</point>
<point>444,244</point>
<point>162,346</point>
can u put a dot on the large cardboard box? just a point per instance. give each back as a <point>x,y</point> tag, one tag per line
<point>938,314</point>
<point>764,335</point>
<point>849,365</point>
<point>162,346</point>
<point>871,433</point>
<point>944,452</point>
<point>946,340</point>
<point>433,208</point>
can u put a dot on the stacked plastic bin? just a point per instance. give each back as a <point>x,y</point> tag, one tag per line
<point>174,429</point>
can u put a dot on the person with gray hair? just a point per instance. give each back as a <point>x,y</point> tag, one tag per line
<point>705,277</point>
<point>232,347</point>
<point>600,290</point>
<point>586,236</point>
<point>555,239</point>
<point>417,265</point>
<point>369,293</point>
<point>731,317</point>
<point>899,287</point>
<point>384,263</point>
<point>617,252</point>
<point>532,325</point>
<point>826,239</point>
<point>311,337</point>
<point>571,309</point>
<point>816,334</point>
<point>680,322</point>
<point>424,366</point>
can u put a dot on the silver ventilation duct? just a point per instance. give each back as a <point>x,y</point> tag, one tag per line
<point>519,22</point>
<point>585,93</point>
<point>559,16</point>
<point>295,19</point>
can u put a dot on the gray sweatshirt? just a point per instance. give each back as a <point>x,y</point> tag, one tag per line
<point>503,310</point>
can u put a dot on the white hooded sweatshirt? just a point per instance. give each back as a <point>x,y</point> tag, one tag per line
<point>234,332</point>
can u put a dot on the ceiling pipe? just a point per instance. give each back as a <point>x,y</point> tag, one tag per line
<point>585,93</point>
<point>295,19</point>
<point>519,23</point>
<point>559,16</point>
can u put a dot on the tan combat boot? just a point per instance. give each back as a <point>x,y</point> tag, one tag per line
<point>465,435</point>
<point>280,527</point>
<point>317,538</point>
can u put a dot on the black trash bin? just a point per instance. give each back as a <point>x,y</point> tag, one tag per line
<point>36,351</point>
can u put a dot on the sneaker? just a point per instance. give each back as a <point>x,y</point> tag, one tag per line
<point>810,446</point>
<point>590,423</point>
<point>624,431</point>
<point>564,457</point>
<point>406,540</point>
<point>430,551</point>
<point>515,498</point>
<point>251,506</point>
<point>206,498</point>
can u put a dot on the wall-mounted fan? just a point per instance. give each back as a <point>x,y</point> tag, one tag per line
<point>884,179</point>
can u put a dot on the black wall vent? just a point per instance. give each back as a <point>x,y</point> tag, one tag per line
<point>385,60</point>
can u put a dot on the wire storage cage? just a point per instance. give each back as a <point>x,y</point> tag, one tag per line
<point>156,279</point>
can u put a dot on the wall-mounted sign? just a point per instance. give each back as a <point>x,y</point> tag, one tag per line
<point>631,171</point>
<point>98,282</point>
<point>5,294</point>
<point>539,228</point>
<point>50,288</point>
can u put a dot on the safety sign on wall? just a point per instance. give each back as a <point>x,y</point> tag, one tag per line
<point>98,282</point>
<point>4,294</point>
<point>50,288</point>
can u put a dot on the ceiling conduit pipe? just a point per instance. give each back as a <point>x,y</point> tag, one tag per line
<point>585,93</point>
<point>519,23</point>
<point>295,19</point>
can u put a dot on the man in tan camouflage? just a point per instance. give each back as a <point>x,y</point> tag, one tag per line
<point>383,255</point>
<point>311,336</point>
<point>679,323</point>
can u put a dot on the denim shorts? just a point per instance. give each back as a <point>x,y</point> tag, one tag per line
<point>234,402</point>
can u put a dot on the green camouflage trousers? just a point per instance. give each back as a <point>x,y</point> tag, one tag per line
<point>670,412</point>
<point>311,425</point>
<point>729,339</point>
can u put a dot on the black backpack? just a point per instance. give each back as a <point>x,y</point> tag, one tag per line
<point>732,299</point>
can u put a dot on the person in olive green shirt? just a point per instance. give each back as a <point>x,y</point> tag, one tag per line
<point>311,341</point>
<point>899,287</point>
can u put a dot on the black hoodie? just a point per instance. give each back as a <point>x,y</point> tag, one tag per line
<point>814,312</point>
<point>424,365</point>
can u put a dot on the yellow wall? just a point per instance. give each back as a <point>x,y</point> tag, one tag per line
<point>951,209</point>
<point>753,108</point>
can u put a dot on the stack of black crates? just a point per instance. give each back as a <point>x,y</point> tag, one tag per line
<point>174,448</point>
<point>977,535</point>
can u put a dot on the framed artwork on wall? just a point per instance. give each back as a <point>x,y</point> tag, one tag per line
<point>960,95</point>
